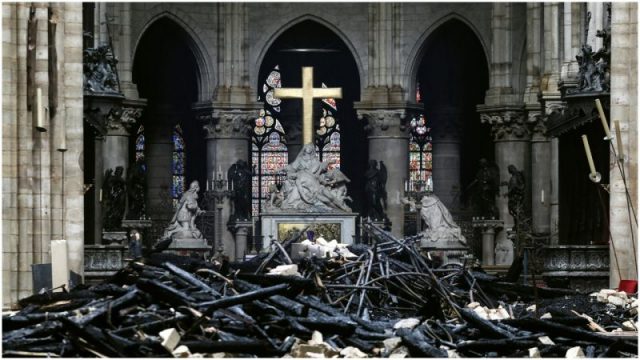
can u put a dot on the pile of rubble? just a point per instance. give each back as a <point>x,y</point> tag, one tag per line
<point>387,301</point>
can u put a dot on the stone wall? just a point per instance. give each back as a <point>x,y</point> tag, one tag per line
<point>42,199</point>
<point>624,108</point>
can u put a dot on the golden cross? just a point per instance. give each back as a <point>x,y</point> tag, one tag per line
<point>307,93</point>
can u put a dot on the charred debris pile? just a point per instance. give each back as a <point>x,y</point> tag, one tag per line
<point>384,300</point>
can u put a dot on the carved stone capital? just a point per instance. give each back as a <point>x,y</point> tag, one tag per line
<point>225,123</point>
<point>121,120</point>
<point>506,123</point>
<point>446,124</point>
<point>381,122</point>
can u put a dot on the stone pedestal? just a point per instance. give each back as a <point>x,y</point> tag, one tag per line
<point>276,225</point>
<point>116,238</point>
<point>488,229</point>
<point>241,230</point>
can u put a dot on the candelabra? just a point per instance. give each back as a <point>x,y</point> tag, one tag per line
<point>417,189</point>
<point>217,191</point>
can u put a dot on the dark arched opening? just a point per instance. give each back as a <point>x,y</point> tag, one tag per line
<point>453,75</point>
<point>166,74</point>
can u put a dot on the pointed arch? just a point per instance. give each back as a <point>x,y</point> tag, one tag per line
<point>336,30</point>
<point>419,49</point>
<point>204,71</point>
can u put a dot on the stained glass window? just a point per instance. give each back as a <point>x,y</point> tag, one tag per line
<point>327,137</point>
<point>269,156</point>
<point>420,158</point>
<point>140,143</point>
<point>177,165</point>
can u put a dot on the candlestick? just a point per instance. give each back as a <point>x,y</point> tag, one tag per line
<point>603,119</point>
<point>619,141</point>
<point>542,196</point>
<point>100,195</point>
<point>207,184</point>
<point>39,116</point>
<point>62,147</point>
<point>587,150</point>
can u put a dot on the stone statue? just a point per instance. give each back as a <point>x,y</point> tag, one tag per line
<point>113,199</point>
<point>375,188</point>
<point>485,190</point>
<point>182,224</point>
<point>515,194</point>
<point>136,189</point>
<point>310,187</point>
<point>593,71</point>
<point>135,244</point>
<point>441,230</point>
<point>239,176</point>
<point>100,71</point>
<point>504,252</point>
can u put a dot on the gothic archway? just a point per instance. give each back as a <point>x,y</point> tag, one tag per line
<point>452,80</point>
<point>166,73</point>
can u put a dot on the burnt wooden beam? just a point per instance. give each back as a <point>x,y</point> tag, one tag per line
<point>420,346</point>
<point>262,293</point>
<point>32,37</point>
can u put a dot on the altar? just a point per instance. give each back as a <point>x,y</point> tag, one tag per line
<point>338,226</point>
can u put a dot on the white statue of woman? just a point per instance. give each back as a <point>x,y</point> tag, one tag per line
<point>183,221</point>
<point>441,229</point>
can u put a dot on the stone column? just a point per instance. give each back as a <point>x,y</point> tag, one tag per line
<point>511,136</point>
<point>624,108</point>
<point>241,230</point>
<point>227,136</point>
<point>446,125</point>
<point>540,179</point>
<point>389,142</point>
<point>116,141</point>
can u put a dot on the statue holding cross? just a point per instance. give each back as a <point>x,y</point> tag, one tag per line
<point>307,93</point>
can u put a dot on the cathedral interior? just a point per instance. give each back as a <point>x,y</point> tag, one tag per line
<point>502,135</point>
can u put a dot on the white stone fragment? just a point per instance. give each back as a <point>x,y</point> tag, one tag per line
<point>452,354</point>
<point>170,338</point>
<point>574,352</point>
<point>316,338</point>
<point>534,352</point>
<point>408,323</point>
<point>546,316</point>
<point>602,298</point>
<point>391,343</point>
<point>545,340</point>
<point>181,351</point>
<point>290,270</point>
<point>482,312</point>
<point>473,305</point>
<point>616,300</point>
<point>400,352</point>
<point>628,326</point>
<point>532,308</point>
<point>608,291</point>
<point>504,314</point>
<point>352,352</point>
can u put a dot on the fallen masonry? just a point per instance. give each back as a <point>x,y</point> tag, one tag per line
<point>388,301</point>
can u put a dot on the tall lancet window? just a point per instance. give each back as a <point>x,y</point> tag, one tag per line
<point>140,143</point>
<point>327,139</point>
<point>269,154</point>
<point>177,165</point>
<point>420,155</point>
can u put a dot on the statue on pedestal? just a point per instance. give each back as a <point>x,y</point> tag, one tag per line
<point>114,198</point>
<point>441,230</point>
<point>183,222</point>
<point>310,187</point>
<point>375,188</point>
<point>239,176</point>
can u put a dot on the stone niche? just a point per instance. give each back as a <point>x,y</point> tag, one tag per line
<point>277,225</point>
